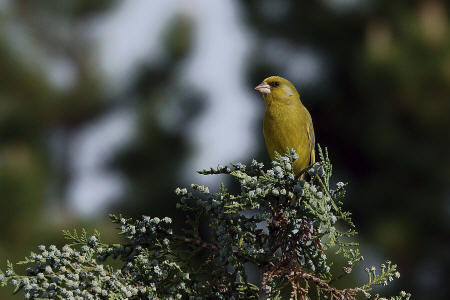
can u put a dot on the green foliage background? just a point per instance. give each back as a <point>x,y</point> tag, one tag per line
<point>383,110</point>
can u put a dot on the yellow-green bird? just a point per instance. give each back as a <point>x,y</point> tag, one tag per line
<point>287,123</point>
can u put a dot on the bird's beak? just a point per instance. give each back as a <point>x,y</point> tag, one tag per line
<point>263,88</point>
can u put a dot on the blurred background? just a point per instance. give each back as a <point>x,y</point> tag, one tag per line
<point>108,106</point>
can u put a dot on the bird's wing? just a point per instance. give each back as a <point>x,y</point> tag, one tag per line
<point>311,140</point>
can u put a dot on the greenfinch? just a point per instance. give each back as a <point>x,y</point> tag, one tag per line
<point>287,123</point>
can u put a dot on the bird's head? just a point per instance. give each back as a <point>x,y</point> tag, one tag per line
<point>276,88</point>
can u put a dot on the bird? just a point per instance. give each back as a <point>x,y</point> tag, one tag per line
<point>287,123</point>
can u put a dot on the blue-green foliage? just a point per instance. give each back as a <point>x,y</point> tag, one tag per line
<point>283,225</point>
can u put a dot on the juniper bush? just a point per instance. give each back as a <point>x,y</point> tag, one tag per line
<point>285,227</point>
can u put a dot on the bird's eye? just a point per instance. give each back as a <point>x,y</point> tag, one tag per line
<point>275,84</point>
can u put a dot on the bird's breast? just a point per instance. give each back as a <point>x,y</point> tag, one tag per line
<point>284,127</point>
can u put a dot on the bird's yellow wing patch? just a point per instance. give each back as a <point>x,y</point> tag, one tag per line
<point>312,142</point>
